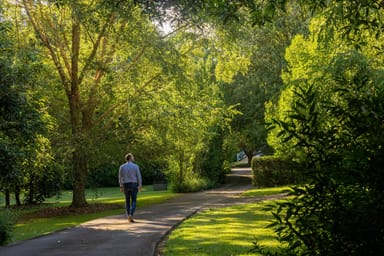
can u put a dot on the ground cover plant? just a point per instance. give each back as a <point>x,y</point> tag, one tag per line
<point>55,214</point>
<point>226,231</point>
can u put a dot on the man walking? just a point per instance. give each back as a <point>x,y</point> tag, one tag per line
<point>130,183</point>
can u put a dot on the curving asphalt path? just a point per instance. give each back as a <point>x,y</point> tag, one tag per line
<point>115,236</point>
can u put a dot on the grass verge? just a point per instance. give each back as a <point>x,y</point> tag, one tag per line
<point>266,191</point>
<point>226,231</point>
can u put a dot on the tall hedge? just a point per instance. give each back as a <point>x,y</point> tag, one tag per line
<point>269,171</point>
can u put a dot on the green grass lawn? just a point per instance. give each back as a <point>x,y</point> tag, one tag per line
<point>29,227</point>
<point>266,191</point>
<point>225,231</point>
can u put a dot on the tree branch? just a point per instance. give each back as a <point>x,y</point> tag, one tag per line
<point>96,46</point>
<point>138,56</point>
<point>46,41</point>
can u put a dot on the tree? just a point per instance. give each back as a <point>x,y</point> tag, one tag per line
<point>262,82</point>
<point>330,121</point>
<point>83,39</point>
<point>24,147</point>
<point>177,125</point>
<point>114,78</point>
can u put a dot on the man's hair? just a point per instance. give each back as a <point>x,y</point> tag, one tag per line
<point>129,157</point>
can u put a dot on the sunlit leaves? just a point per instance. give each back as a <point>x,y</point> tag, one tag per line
<point>323,115</point>
<point>24,118</point>
<point>229,64</point>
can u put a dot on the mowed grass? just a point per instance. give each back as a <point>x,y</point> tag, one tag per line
<point>113,196</point>
<point>27,228</point>
<point>226,231</point>
<point>41,226</point>
<point>267,191</point>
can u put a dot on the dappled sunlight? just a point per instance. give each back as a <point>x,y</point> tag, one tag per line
<point>223,231</point>
<point>266,191</point>
<point>31,224</point>
<point>106,194</point>
<point>115,201</point>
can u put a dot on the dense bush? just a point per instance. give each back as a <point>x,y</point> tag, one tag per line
<point>191,184</point>
<point>104,176</point>
<point>153,171</point>
<point>212,165</point>
<point>6,226</point>
<point>341,211</point>
<point>107,175</point>
<point>268,171</point>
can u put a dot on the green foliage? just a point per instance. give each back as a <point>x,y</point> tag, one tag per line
<point>25,150</point>
<point>115,83</point>
<point>249,91</point>
<point>337,138</point>
<point>103,176</point>
<point>7,220</point>
<point>153,171</point>
<point>212,166</point>
<point>106,175</point>
<point>191,183</point>
<point>352,18</point>
<point>269,171</point>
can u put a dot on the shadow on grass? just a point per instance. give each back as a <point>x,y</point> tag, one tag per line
<point>225,231</point>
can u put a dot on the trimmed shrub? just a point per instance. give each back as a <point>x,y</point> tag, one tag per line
<point>269,171</point>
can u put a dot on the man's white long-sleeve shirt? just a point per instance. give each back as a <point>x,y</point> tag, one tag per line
<point>130,172</point>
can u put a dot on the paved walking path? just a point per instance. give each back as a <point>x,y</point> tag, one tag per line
<point>115,236</point>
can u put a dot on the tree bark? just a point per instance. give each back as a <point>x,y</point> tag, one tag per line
<point>7,198</point>
<point>17,196</point>
<point>79,174</point>
<point>79,160</point>
<point>30,191</point>
<point>249,155</point>
<point>74,68</point>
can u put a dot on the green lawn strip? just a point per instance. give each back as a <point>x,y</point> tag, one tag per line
<point>225,231</point>
<point>27,228</point>
<point>266,191</point>
<point>42,226</point>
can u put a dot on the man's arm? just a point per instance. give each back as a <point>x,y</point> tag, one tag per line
<point>120,180</point>
<point>139,179</point>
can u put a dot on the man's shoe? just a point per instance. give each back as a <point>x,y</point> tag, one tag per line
<point>130,219</point>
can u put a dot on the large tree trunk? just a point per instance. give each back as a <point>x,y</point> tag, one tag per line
<point>79,156</point>
<point>79,160</point>
<point>7,198</point>
<point>79,174</point>
<point>73,68</point>
<point>17,196</point>
<point>249,155</point>
<point>30,191</point>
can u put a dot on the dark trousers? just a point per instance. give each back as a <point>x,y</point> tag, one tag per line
<point>130,191</point>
